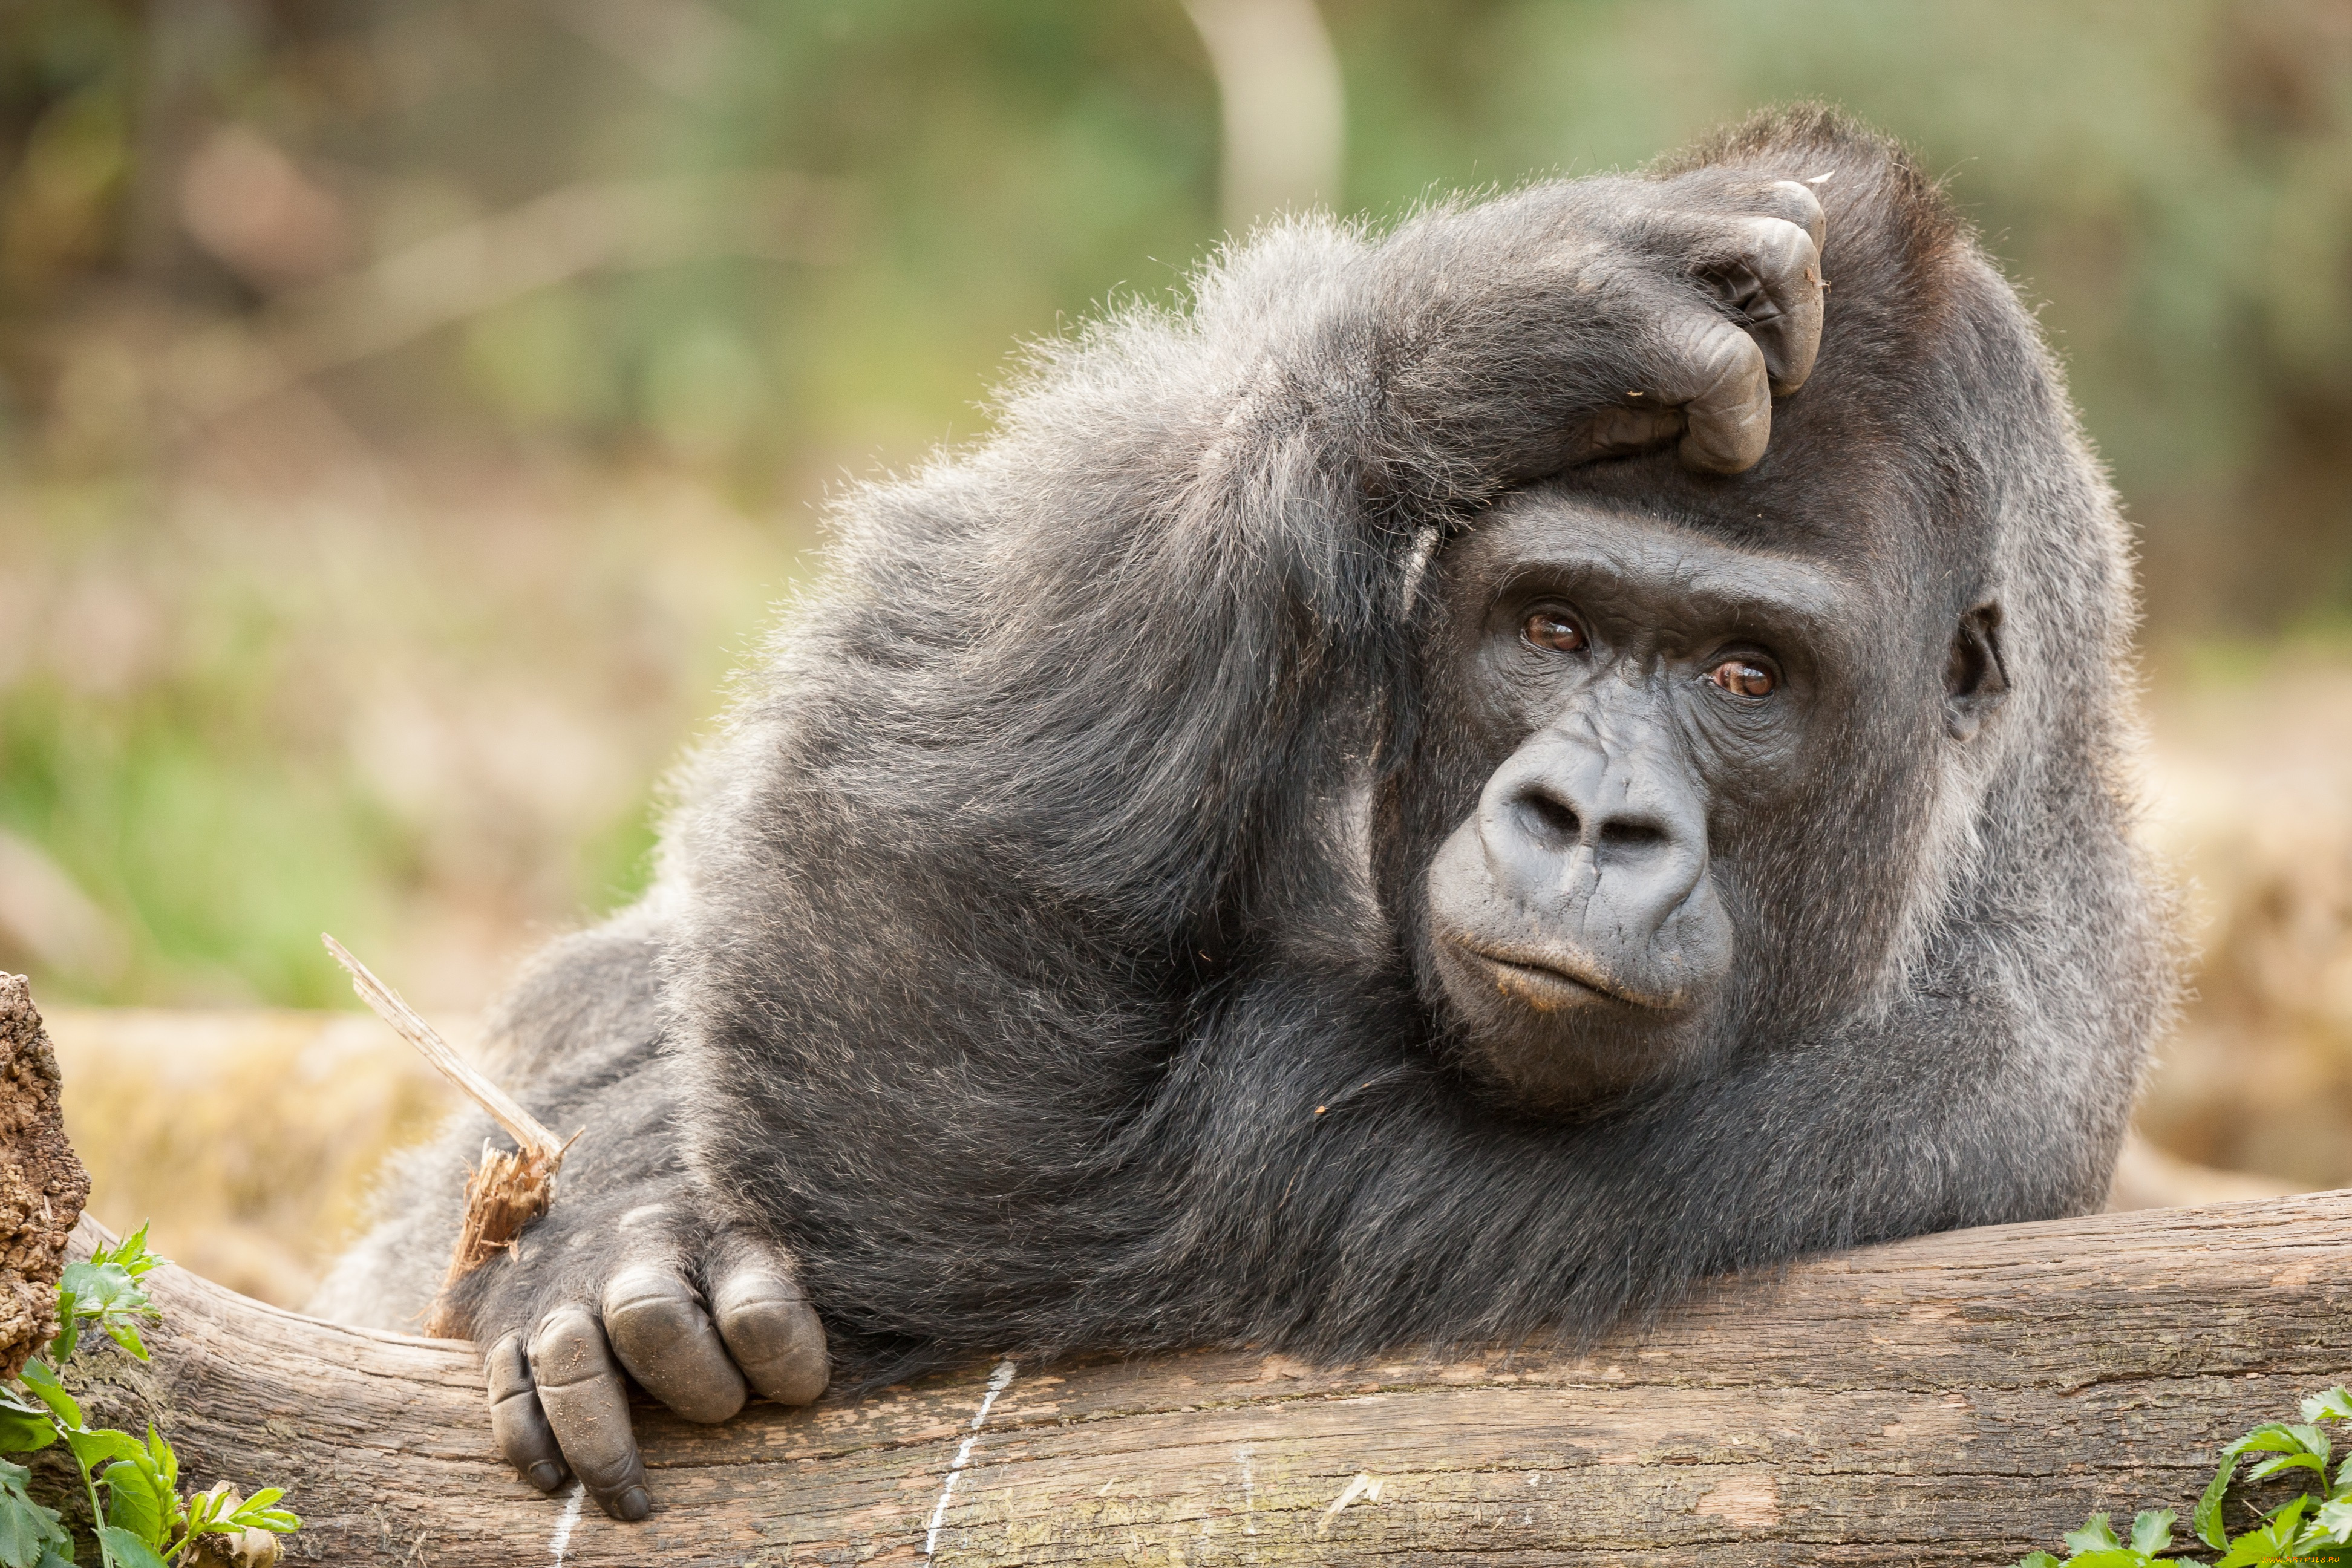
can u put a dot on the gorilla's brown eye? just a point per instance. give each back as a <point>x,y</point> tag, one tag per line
<point>1551,629</point>
<point>1743,678</point>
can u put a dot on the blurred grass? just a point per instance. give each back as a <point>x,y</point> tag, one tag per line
<point>429,723</point>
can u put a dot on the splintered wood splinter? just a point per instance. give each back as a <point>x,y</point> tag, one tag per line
<point>506,1192</point>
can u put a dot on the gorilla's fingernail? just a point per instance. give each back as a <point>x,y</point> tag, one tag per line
<point>633,1504</point>
<point>544,1476</point>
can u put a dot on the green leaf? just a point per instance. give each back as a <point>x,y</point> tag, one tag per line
<point>2109,1557</point>
<point>26,1529</point>
<point>108,1293</point>
<point>167,1463</point>
<point>2334,1520</point>
<point>2152,1530</point>
<point>126,1550</point>
<point>23,1433</point>
<point>2335,1404</point>
<point>256,1513</point>
<point>2270,1438</point>
<point>131,1253</point>
<point>2096,1534</point>
<point>51,1392</point>
<point>133,1502</point>
<point>68,1334</point>
<point>2274,1542</point>
<point>94,1448</point>
<point>2038,1560</point>
<point>100,1288</point>
<point>2270,1468</point>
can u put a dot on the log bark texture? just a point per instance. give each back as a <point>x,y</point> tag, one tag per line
<point>42,1183</point>
<point>1956,1399</point>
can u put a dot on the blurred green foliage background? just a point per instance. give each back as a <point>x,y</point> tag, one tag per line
<point>410,409</point>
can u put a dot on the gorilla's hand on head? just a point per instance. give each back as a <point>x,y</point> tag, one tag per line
<point>1584,320</point>
<point>700,1316</point>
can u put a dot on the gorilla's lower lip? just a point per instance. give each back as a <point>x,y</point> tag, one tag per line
<point>1544,984</point>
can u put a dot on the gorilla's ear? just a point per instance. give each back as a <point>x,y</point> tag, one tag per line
<point>1975,684</point>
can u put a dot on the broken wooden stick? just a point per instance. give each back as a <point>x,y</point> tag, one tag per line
<point>506,1192</point>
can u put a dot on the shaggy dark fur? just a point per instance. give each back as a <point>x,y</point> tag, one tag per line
<point>1041,955</point>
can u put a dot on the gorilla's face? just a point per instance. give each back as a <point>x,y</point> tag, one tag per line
<point>1647,702</point>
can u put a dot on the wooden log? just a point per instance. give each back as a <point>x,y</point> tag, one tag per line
<point>1955,1399</point>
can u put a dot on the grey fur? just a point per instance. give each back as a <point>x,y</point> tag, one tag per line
<point>1018,961</point>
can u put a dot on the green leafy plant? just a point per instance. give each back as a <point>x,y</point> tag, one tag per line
<point>143,1520</point>
<point>2313,1527</point>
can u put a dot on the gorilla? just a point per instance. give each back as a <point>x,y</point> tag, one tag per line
<point>1431,794</point>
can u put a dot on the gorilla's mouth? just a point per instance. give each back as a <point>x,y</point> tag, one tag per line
<point>1551,982</point>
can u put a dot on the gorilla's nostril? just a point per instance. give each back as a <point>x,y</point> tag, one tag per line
<point>1548,820</point>
<point>1634,836</point>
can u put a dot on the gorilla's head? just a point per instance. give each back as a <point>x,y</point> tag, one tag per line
<point>1698,761</point>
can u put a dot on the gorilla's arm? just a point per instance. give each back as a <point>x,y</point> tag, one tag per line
<point>1040,760</point>
<point>1111,656</point>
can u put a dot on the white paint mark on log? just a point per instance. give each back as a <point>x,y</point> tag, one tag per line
<point>1249,1492</point>
<point>1363,1488</point>
<point>999,1379</point>
<point>1751,1502</point>
<point>561,1542</point>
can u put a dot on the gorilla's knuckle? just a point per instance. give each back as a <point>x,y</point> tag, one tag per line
<point>765,1329</point>
<point>1797,203</point>
<point>568,1348</point>
<point>650,1295</point>
<point>1779,250</point>
<point>505,1370</point>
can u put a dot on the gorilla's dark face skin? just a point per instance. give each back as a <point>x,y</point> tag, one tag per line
<point>1655,712</point>
<point>1640,692</point>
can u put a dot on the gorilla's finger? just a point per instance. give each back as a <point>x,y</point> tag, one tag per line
<point>1776,283</point>
<point>587,1407</point>
<point>774,1333</point>
<point>516,1424</point>
<point>1792,201</point>
<point>663,1336</point>
<point>1615,432</point>
<point>1715,374</point>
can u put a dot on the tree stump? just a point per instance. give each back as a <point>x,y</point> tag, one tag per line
<point>42,1183</point>
<point>1954,1399</point>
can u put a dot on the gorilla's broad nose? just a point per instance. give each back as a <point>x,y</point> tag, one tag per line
<point>1604,841</point>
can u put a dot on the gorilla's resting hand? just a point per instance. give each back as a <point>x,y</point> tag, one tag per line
<point>634,1268</point>
<point>700,1314</point>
